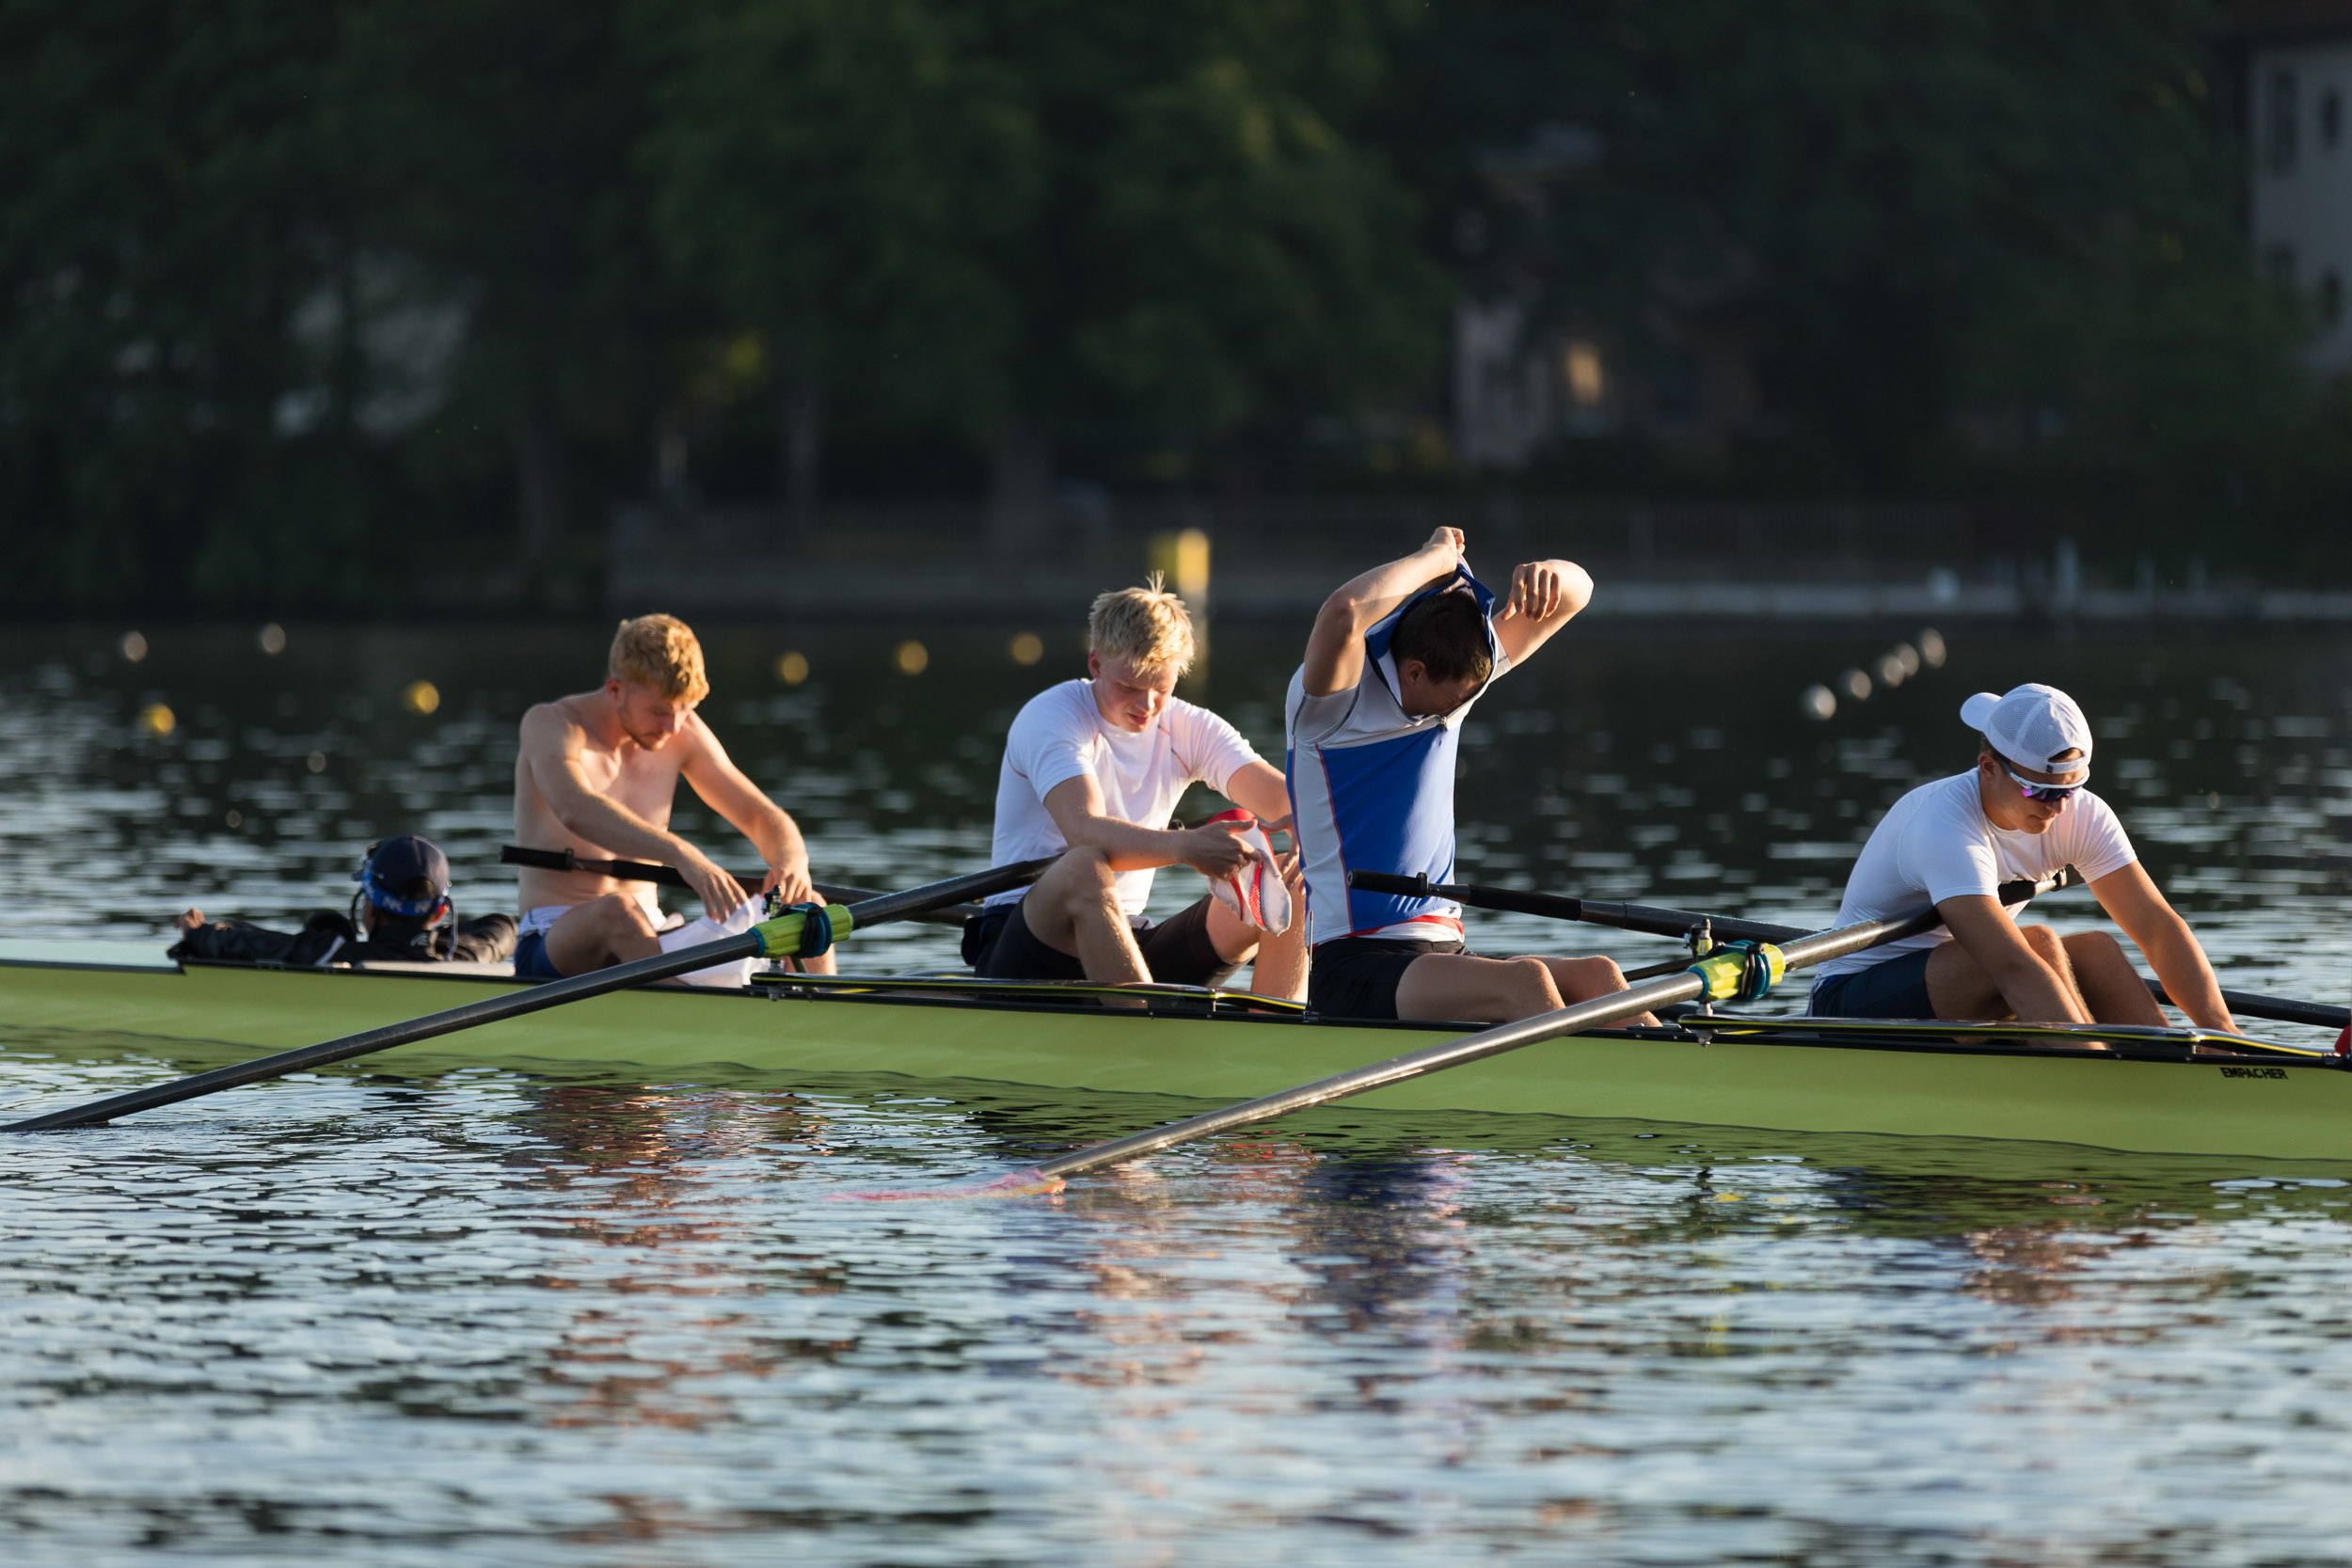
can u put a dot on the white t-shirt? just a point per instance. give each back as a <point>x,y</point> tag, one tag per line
<point>1060,734</point>
<point>1936,843</point>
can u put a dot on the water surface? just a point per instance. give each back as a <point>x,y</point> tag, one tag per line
<point>427,1311</point>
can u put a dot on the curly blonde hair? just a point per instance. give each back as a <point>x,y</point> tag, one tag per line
<point>660,652</point>
<point>1148,626</point>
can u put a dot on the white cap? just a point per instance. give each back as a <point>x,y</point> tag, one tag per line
<point>2033,725</point>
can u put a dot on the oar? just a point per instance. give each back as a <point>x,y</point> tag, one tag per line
<point>2281,1009</point>
<point>794,934</point>
<point>1679,923</point>
<point>1593,912</point>
<point>670,876</point>
<point>1721,976</point>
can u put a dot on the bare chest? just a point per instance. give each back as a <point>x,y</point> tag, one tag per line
<point>645,782</point>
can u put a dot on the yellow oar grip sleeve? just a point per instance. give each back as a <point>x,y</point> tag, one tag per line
<point>804,930</point>
<point>1741,974</point>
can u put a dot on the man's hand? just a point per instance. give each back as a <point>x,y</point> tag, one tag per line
<point>1537,590</point>
<point>1215,848</point>
<point>1446,544</point>
<point>720,894</point>
<point>791,880</point>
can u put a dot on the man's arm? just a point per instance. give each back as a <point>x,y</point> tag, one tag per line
<point>1335,649</point>
<point>1544,597</point>
<point>551,746</point>
<point>725,790</point>
<point>1990,937</point>
<point>1075,806</point>
<point>1257,788</point>
<point>2133,901</point>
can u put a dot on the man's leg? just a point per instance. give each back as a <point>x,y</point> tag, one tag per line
<point>1582,979</point>
<point>1073,908</point>
<point>600,933</point>
<point>2112,990</point>
<point>1961,989</point>
<point>1453,986</point>
<point>1281,967</point>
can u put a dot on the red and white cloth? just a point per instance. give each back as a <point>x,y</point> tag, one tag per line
<point>1255,892</point>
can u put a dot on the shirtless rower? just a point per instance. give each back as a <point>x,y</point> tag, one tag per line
<point>2024,811</point>
<point>595,775</point>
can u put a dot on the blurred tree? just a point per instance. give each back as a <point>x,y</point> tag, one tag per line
<point>1213,243</point>
<point>829,172</point>
<point>1042,215</point>
<point>171,203</point>
<point>497,139</point>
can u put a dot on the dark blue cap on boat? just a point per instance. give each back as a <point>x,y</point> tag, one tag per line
<point>405,875</point>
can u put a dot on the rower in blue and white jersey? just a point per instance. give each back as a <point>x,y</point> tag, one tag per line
<point>1374,717</point>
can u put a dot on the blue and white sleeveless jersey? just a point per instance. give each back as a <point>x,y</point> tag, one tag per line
<point>1372,789</point>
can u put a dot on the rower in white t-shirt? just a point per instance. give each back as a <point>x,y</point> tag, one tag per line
<point>1092,771</point>
<point>2021,813</point>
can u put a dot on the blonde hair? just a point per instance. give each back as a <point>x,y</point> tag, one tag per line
<point>660,652</point>
<point>1149,625</point>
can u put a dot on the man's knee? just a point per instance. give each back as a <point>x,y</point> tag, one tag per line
<point>2092,947</point>
<point>1581,979</point>
<point>1080,876</point>
<point>1528,982</point>
<point>616,914</point>
<point>2044,942</point>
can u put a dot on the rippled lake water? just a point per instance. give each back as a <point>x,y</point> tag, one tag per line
<point>412,1310</point>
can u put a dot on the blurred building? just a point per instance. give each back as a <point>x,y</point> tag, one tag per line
<point>1527,375</point>
<point>2297,58</point>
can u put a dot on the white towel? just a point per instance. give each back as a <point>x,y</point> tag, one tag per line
<point>695,932</point>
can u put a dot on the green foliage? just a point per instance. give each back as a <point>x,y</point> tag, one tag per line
<point>1047,211</point>
<point>310,305</point>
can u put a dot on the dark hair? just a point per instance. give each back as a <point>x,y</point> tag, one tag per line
<point>1447,633</point>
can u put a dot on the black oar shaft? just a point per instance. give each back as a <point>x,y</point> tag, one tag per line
<point>2281,1009</point>
<point>670,876</point>
<point>1595,911</point>
<point>1595,1014</point>
<point>1631,917</point>
<point>516,1004</point>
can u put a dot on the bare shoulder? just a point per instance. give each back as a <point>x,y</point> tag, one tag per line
<point>554,726</point>
<point>696,750</point>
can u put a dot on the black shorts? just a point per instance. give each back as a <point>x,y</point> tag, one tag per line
<point>999,945</point>
<point>1892,987</point>
<point>1357,976</point>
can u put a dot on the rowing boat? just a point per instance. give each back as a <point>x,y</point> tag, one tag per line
<point>2155,1091</point>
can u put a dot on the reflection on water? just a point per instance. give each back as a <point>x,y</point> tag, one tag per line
<point>435,1313</point>
<point>490,1317</point>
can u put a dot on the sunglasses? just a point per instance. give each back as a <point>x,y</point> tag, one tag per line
<point>2048,793</point>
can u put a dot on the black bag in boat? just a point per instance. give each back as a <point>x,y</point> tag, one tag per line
<point>323,938</point>
<point>329,936</point>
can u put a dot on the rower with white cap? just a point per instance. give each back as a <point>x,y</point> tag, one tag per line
<point>2022,813</point>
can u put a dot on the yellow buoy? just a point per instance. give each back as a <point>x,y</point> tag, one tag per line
<point>421,697</point>
<point>157,719</point>
<point>1028,648</point>
<point>913,657</point>
<point>792,669</point>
